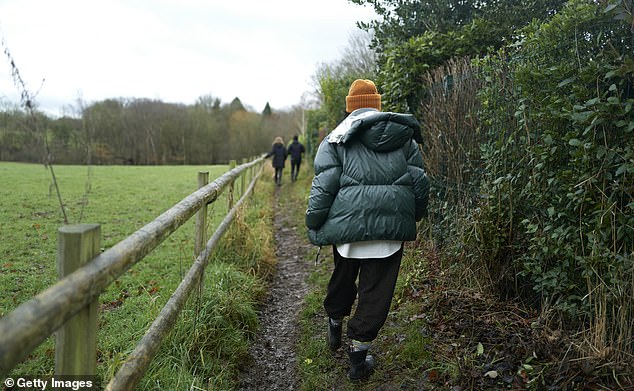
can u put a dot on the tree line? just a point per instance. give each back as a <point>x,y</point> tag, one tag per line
<point>142,131</point>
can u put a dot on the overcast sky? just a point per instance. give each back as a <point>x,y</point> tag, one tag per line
<point>173,50</point>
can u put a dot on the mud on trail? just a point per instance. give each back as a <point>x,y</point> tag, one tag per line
<point>273,363</point>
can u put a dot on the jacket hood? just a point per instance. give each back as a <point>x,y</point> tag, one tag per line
<point>378,131</point>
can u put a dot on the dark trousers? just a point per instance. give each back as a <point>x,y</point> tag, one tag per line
<point>377,279</point>
<point>278,175</point>
<point>295,168</point>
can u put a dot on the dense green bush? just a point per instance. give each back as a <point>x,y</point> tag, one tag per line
<point>560,207</point>
<point>403,66</point>
<point>414,37</point>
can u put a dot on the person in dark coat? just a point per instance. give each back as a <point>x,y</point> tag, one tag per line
<point>368,192</point>
<point>279,153</point>
<point>295,150</point>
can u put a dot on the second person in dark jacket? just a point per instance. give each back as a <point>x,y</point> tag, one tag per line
<point>295,150</point>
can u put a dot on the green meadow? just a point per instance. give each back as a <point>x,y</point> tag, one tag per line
<point>123,199</point>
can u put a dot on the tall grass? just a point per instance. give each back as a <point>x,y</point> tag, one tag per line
<point>211,338</point>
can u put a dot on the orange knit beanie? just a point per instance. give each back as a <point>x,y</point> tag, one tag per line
<point>362,93</point>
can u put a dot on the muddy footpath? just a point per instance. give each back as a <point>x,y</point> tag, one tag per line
<point>272,365</point>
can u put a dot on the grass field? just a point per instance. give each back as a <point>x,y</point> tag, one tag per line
<point>121,199</point>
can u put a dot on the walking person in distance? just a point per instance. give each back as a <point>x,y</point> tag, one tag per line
<point>368,192</point>
<point>295,149</point>
<point>279,153</point>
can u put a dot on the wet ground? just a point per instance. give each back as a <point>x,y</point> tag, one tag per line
<point>273,360</point>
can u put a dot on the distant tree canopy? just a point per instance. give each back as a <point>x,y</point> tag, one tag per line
<point>146,131</point>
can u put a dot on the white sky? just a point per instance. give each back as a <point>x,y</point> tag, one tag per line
<point>173,50</point>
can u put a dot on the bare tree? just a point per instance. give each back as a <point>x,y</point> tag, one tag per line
<point>358,56</point>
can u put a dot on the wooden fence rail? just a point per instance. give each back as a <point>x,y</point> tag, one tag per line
<point>26,327</point>
<point>135,366</point>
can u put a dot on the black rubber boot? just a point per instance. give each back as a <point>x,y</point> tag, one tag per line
<point>361,365</point>
<point>334,335</point>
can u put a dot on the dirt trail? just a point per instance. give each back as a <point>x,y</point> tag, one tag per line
<point>273,360</point>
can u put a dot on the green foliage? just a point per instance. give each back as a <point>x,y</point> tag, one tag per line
<point>560,183</point>
<point>401,20</point>
<point>403,65</point>
<point>405,19</point>
<point>316,120</point>
<point>334,87</point>
<point>413,37</point>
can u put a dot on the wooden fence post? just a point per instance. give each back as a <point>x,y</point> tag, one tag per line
<point>76,340</point>
<point>201,216</point>
<point>243,178</point>
<point>201,226</point>
<point>232,165</point>
<point>253,170</point>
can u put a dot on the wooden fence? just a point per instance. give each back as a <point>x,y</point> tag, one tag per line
<point>69,308</point>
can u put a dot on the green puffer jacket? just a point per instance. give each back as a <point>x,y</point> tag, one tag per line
<point>369,181</point>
